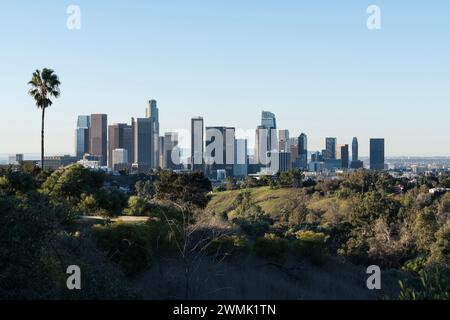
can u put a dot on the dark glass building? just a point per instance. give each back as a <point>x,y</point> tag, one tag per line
<point>330,147</point>
<point>302,158</point>
<point>82,136</point>
<point>345,156</point>
<point>355,149</point>
<point>377,154</point>
<point>143,141</point>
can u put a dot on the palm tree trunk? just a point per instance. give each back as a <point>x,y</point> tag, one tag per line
<point>42,139</point>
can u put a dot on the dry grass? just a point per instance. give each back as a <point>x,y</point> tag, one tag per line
<point>250,278</point>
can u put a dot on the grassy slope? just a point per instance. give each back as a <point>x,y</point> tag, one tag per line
<point>271,201</point>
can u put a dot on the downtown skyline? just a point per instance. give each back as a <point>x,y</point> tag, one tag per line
<point>216,151</point>
<point>319,143</point>
<point>317,67</point>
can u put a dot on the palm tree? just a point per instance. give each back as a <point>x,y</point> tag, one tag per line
<point>44,84</point>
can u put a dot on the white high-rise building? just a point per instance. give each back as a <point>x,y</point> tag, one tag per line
<point>119,156</point>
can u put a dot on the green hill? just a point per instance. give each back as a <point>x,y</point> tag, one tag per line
<point>271,201</point>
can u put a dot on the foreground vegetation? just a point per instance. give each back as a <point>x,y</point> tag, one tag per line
<point>283,237</point>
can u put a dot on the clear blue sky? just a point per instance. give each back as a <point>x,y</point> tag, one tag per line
<point>313,63</point>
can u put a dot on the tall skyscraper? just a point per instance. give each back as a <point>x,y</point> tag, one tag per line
<point>330,144</point>
<point>224,160</point>
<point>241,158</point>
<point>355,163</point>
<point>152,112</point>
<point>355,148</point>
<point>98,137</point>
<point>284,141</point>
<point>302,158</point>
<point>120,137</point>
<point>377,154</point>
<point>162,152</point>
<point>344,156</point>
<point>268,120</point>
<point>266,138</point>
<point>197,144</point>
<point>143,141</point>
<point>171,152</point>
<point>82,136</point>
<point>259,144</point>
<point>230,149</point>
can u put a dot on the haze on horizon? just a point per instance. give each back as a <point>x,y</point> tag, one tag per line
<point>314,64</point>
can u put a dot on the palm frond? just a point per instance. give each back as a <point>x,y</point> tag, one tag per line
<point>44,84</point>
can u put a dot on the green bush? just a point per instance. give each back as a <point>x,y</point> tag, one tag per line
<point>137,206</point>
<point>415,265</point>
<point>272,248</point>
<point>433,284</point>
<point>128,245</point>
<point>311,245</point>
<point>230,246</point>
<point>254,226</point>
<point>440,250</point>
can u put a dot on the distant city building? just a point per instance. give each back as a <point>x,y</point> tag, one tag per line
<point>266,138</point>
<point>284,141</point>
<point>171,151</point>
<point>56,162</point>
<point>417,169</point>
<point>98,136</point>
<point>253,166</point>
<point>230,149</point>
<point>241,158</point>
<point>302,159</point>
<point>355,149</point>
<point>162,152</point>
<point>16,159</point>
<point>143,141</point>
<point>120,137</point>
<point>344,156</point>
<point>152,112</point>
<point>259,143</point>
<point>197,144</point>
<point>119,159</point>
<point>284,162</point>
<point>221,175</point>
<point>377,154</point>
<point>338,151</point>
<point>91,162</point>
<point>268,120</point>
<point>332,164</point>
<point>82,136</point>
<point>356,163</point>
<point>317,157</point>
<point>294,152</point>
<point>293,141</point>
<point>316,166</point>
<point>224,160</point>
<point>330,147</point>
